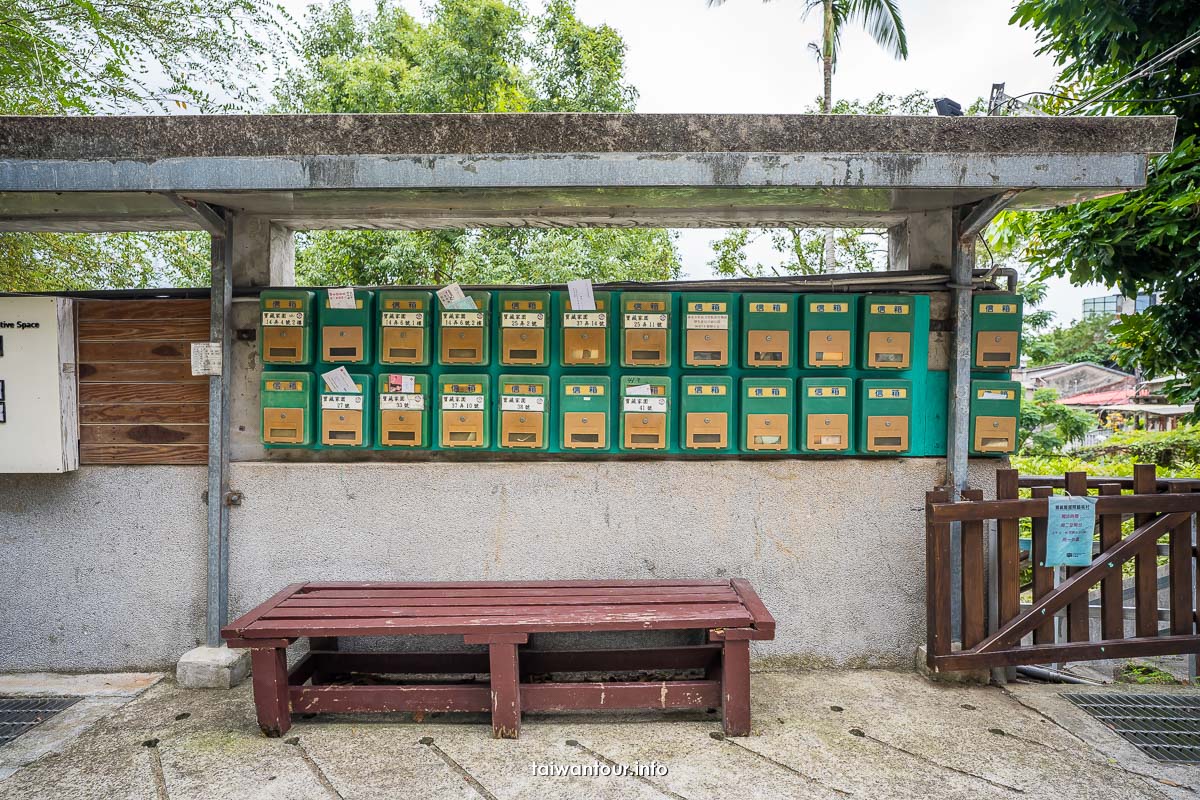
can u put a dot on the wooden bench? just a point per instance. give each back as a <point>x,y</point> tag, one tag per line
<point>502,615</point>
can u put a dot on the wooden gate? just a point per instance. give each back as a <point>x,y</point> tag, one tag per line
<point>1026,633</point>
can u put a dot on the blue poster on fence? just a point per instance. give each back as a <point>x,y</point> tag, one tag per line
<point>1069,528</point>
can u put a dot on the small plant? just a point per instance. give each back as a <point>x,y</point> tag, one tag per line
<point>1144,674</point>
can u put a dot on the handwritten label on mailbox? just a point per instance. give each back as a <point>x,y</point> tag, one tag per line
<point>1069,526</point>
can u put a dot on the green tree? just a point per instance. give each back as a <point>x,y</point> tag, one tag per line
<point>1142,242</point>
<point>470,56</point>
<point>1088,339</point>
<point>882,20</point>
<point>1047,425</point>
<point>804,251</point>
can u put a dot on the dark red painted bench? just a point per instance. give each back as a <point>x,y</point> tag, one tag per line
<point>502,615</point>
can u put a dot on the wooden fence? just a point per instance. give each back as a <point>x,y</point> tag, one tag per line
<point>1027,635</point>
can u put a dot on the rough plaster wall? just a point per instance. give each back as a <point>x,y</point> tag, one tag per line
<point>104,569</point>
<point>101,569</point>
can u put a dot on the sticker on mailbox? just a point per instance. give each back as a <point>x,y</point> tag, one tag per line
<point>998,308</point>
<point>706,388</point>
<point>766,391</point>
<point>584,389</point>
<point>707,322</point>
<point>888,394</point>
<point>510,319</point>
<point>826,391</point>
<point>646,405</point>
<point>274,386</point>
<point>996,394</point>
<point>827,308</point>
<point>462,402</point>
<point>462,319</point>
<point>402,402</point>
<point>403,319</point>
<point>283,319</point>
<point>889,308</point>
<point>768,308</point>
<point>342,402</point>
<point>522,403</point>
<point>702,307</point>
<point>578,319</point>
<point>641,321</point>
<point>408,305</point>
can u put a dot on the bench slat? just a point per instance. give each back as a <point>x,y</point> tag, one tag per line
<point>566,612</point>
<point>663,617</point>
<point>565,584</point>
<point>304,601</point>
<point>353,594</point>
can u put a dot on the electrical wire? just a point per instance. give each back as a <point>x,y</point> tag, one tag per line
<point>1170,54</point>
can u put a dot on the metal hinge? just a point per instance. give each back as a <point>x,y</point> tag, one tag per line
<point>232,497</point>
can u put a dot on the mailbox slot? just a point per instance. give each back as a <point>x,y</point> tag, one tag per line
<point>523,328</point>
<point>286,324</point>
<point>767,413</point>
<point>828,324</point>
<point>996,323</point>
<point>646,326</point>
<point>828,431</point>
<point>889,350</point>
<point>645,412</point>
<point>995,434</point>
<point>342,343</point>
<point>768,320</point>
<point>463,404</point>
<point>463,332</point>
<point>584,404</point>
<point>283,425</point>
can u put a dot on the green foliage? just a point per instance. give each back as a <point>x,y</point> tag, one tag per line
<point>1114,466</point>
<point>1147,241</point>
<point>1047,425</point>
<point>1036,318</point>
<point>1144,674</point>
<point>1164,448</point>
<point>47,262</point>
<point>91,56</point>
<point>1088,339</point>
<point>471,56</point>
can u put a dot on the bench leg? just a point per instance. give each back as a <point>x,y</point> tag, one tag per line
<point>735,687</point>
<point>506,690</point>
<point>271,701</point>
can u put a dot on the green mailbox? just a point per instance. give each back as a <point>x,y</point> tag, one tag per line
<point>462,404</point>
<point>585,334</point>
<point>345,416</point>
<point>767,412</point>
<point>524,412</point>
<point>885,416</point>
<point>286,399</point>
<point>584,404</point>
<point>767,324</point>
<point>996,331</point>
<point>463,332</point>
<point>646,329</point>
<point>524,337</point>
<point>706,409</point>
<point>287,324</point>
<point>826,411</point>
<point>889,323</point>
<point>402,418</point>
<point>645,412</point>
<point>405,329</point>
<point>995,412</point>
<point>708,326</point>
<point>346,326</point>
<point>828,328</point>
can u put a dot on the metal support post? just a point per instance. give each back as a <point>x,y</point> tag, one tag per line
<point>221,300</point>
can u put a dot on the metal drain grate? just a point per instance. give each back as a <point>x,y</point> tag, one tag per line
<point>21,714</point>
<point>1164,726</point>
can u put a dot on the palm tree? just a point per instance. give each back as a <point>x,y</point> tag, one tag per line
<point>882,20</point>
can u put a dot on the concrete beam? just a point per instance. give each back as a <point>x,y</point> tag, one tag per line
<point>264,253</point>
<point>922,241</point>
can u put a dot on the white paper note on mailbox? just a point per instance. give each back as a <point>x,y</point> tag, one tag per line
<point>339,380</point>
<point>582,297</point>
<point>342,297</point>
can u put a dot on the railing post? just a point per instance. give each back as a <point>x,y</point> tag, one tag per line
<point>1112,594</point>
<point>1180,566</point>
<point>1077,612</point>
<point>1145,482</point>
<point>1043,576</point>
<point>973,582</point>
<point>937,581</point>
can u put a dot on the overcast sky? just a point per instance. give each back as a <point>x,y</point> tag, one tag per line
<point>748,56</point>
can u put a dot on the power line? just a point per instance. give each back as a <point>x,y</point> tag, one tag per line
<point>1170,54</point>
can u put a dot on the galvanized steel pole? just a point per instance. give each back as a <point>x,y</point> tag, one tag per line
<point>221,300</point>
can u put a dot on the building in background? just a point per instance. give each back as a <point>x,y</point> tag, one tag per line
<point>1114,305</point>
<point>1074,379</point>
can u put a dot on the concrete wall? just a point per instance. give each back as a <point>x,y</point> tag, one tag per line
<point>105,568</point>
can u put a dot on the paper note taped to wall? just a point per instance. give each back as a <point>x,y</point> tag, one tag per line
<point>1070,524</point>
<point>339,380</point>
<point>342,297</point>
<point>582,297</point>
<point>452,297</point>
<point>206,358</point>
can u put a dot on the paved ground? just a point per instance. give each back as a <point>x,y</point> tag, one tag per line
<point>816,735</point>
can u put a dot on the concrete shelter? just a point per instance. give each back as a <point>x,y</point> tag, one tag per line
<point>116,567</point>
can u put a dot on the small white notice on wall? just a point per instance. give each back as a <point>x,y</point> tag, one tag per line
<point>582,297</point>
<point>342,297</point>
<point>452,297</point>
<point>206,358</point>
<point>339,380</point>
